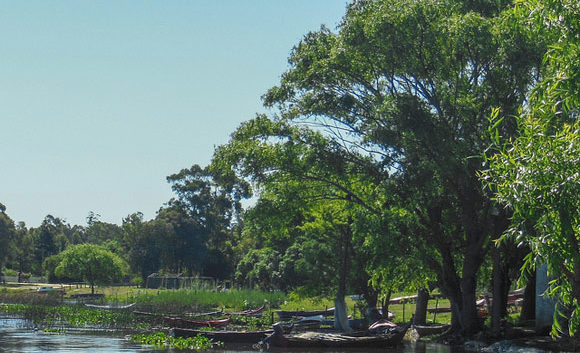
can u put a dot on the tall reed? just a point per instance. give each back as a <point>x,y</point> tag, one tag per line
<point>204,300</point>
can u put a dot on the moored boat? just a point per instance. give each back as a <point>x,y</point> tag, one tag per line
<point>110,306</point>
<point>209,313</point>
<point>181,322</point>
<point>224,336</point>
<point>250,312</point>
<point>320,339</point>
<point>287,315</point>
<point>438,310</point>
<point>429,330</point>
<point>304,324</point>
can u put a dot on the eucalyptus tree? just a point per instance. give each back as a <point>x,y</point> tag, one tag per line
<point>144,243</point>
<point>21,249</point>
<point>99,232</point>
<point>49,239</point>
<point>204,216</point>
<point>537,174</point>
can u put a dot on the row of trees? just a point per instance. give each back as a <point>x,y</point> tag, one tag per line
<point>194,234</point>
<point>422,144</point>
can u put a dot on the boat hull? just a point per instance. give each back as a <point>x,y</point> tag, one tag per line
<point>318,339</point>
<point>224,336</point>
<point>190,323</point>
<point>287,315</point>
<point>429,330</point>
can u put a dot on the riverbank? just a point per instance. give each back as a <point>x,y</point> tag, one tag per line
<point>173,302</point>
<point>520,339</point>
<point>525,344</point>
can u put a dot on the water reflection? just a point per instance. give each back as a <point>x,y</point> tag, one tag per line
<point>19,336</point>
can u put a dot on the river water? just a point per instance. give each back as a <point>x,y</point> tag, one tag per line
<point>19,336</point>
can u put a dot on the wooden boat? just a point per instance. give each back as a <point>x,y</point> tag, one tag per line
<point>250,312</point>
<point>146,313</point>
<point>287,315</point>
<point>224,336</point>
<point>341,340</point>
<point>381,326</point>
<point>210,313</point>
<point>429,330</point>
<point>111,306</point>
<point>355,324</point>
<point>304,324</point>
<point>181,322</point>
<point>439,310</point>
<point>405,299</point>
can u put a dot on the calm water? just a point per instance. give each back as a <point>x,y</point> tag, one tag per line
<point>16,336</point>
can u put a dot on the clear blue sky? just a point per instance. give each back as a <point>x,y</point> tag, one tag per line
<point>101,100</point>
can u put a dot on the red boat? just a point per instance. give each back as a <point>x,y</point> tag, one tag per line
<point>191,323</point>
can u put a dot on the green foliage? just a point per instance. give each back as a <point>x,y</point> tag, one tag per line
<point>537,174</point>
<point>252,323</point>
<point>91,263</point>
<point>199,300</point>
<point>49,266</point>
<point>162,340</point>
<point>6,233</point>
<point>259,268</point>
<point>46,315</point>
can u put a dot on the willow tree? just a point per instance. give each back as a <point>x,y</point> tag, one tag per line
<point>537,174</point>
<point>91,263</point>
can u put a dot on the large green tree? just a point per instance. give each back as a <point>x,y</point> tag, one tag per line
<point>403,92</point>
<point>204,215</point>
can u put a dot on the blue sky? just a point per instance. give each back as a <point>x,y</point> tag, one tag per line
<point>101,100</point>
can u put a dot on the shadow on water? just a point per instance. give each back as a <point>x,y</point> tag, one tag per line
<point>20,336</point>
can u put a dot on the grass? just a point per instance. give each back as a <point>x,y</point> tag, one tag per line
<point>183,300</point>
<point>402,312</point>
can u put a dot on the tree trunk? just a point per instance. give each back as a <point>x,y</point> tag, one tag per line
<point>340,315</point>
<point>372,313</point>
<point>385,304</point>
<point>470,319</point>
<point>421,306</point>
<point>498,303</point>
<point>529,303</point>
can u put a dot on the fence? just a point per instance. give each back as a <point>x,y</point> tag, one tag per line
<point>31,279</point>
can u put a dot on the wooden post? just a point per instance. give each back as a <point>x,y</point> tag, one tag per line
<point>435,312</point>
<point>403,310</point>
